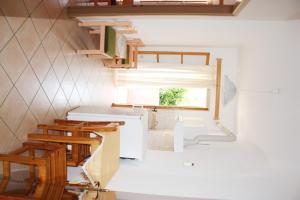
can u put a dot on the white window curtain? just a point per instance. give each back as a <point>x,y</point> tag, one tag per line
<point>167,75</point>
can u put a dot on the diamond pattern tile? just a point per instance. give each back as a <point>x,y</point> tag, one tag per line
<point>6,85</point>
<point>60,66</point>
<point>5,31</point>
<point>40,106</point>
<point>53,9</point>
<point>15,12</point>
<point>28,85</point>
<point>28,38</point>
<point>13,117</point>
<point>15,144</point>
<point>59,103</point>
<point>50,116</point>
<point>75,98</point>
<point>51,84</point>
<point>51,45</point>
<point>41,20</point>
<point>28,125</point>
<point>45,88</point>
<point>31,4</point>
<point>68,84</point>
<point>13,59</point>
<point>6,136</point>
<point>40,63</point>
<point>75,68</point>
<point>61,30</point>
<point>68,51</point>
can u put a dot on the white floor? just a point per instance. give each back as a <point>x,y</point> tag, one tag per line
<point>221,171</point>
<point>161,140</point>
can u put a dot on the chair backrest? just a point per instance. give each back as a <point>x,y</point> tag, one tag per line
<point>77,134</point>
<point>48,161</point>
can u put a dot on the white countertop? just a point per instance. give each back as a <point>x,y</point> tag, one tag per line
<point>103,111</point>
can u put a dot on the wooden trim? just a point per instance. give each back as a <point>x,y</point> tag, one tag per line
<point>68,122</point>
<point>218,89</point>
<point>161,107</point>
<point>135,42</point>
<point>102,41</point>
<point>22,159</point>
<point>182,54</point>
<point>105,23</point>
<point>94,52</point>
<point>215,10</point>
<point>127,31</point>
<point>56,127</point>
<point>175,53</point>
<point>239,6</point>
<point>63,139</point>
<point>207,59</point>
<point>95,31</point>
<point>20,150</point>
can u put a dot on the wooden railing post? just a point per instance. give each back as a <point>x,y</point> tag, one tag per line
<point>218,89</point>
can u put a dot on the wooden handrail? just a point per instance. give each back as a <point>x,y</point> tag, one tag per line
<point>157,53</point>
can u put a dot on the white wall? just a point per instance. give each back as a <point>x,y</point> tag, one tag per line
<point>268,60</point>
<point>267,169</point>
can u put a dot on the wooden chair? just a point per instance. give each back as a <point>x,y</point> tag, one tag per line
<point>48,161</point>
<point>107,38</point>
<point>77,134</point>
<point>115,49</point>
<point>131,60</point>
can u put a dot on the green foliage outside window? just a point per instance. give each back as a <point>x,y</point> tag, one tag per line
<point>171,96</point>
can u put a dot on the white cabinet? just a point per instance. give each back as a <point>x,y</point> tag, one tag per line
<point>133,135</point>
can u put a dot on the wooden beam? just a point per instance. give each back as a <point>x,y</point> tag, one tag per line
<point>218,90</point>
<point>104,23</point>
<point>85,11</point>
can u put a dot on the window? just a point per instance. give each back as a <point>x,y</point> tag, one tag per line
<point>196,97</point>
<point>163,97</point>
